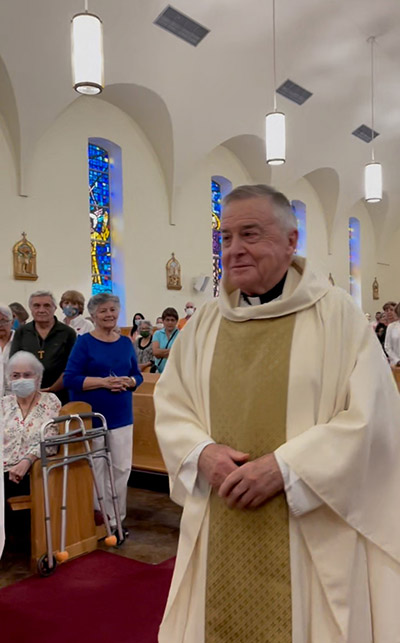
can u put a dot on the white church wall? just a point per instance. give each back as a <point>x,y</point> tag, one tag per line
<point>55,214</point>
<point>55,218</point>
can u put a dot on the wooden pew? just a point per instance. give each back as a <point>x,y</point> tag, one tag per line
<point>146,454</point>
<point>81,536</point>
<point>125,330</point>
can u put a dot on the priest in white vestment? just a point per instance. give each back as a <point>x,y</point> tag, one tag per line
<point>279,422</point>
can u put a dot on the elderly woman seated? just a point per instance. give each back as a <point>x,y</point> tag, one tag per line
<point>23,413</point>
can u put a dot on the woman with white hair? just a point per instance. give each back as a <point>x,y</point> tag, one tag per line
<point>6,335</point>
<point>23,413</point>
<point>103,371</point>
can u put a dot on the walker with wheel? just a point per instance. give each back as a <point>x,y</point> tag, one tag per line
<point>48,561</point>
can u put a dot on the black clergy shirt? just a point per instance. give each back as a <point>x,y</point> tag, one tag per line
<point>52,352</point>
<point>270,295</point>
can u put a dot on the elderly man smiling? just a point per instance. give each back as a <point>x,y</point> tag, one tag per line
<point>285,455</point>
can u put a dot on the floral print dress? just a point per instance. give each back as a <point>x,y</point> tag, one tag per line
<point>22,435</point>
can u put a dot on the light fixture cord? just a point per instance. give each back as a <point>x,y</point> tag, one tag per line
<point>86,6</point>
<point>274,50</point>
<point>372,40</point>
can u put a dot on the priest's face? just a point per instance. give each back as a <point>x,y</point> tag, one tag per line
<point>256,249</point>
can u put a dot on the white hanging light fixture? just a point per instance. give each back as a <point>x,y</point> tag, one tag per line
<point>275,129</point>
<point>373,170</point>
<point>87,53</point>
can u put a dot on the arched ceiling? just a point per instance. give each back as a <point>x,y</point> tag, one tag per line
<point>221,90</point>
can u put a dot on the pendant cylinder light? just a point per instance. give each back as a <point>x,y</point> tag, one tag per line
<point>275,126</point>
<point>373,182</point>
<point>275,138</point>
<point>87,53</point>
<point>373,170</point>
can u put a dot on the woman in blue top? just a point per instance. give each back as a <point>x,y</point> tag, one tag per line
<point>102,370</point>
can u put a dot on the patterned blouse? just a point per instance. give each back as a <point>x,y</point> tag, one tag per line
<point>22,436</point>
<point>144,355</point>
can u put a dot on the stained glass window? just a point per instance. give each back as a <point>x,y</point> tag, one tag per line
<point>355,259</point>
<point>99,212</point>
<point>216,235</point>
<point>299,211</point>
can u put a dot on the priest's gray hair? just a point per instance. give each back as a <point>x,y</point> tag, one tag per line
<point>6,312</point>
<point>42,293</point>
<point>23,357</point>
<point>100,299</point>
<point>280,204</point>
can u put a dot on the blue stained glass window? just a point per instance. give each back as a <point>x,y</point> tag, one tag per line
<point>299,211</point>
<point>216,235</point>
<point>99,212</point>
<point>355,259</point>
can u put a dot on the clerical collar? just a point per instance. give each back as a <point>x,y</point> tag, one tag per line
<point>268,296</point>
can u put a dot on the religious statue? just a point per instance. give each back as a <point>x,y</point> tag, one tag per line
<point>375,289</point>
<point>331,279</point>
<point>24,254</point>
<point>173,268</point>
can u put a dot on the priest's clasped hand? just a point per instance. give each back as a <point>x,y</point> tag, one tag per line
<point>217,461</point>
<point>252,484</point>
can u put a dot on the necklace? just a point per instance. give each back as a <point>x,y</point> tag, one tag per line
<point>40,342</point>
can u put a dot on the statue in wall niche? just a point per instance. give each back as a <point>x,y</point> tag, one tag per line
<point>375,289</point>
<point>24,256</point>
<point>173,268</point>
<point>331,279</point>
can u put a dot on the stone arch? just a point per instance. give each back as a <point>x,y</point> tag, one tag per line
<point>250,150</point>
<point>151,114</point>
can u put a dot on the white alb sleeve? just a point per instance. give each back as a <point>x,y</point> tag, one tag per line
<point>188,474</point>
<point>300,498</point>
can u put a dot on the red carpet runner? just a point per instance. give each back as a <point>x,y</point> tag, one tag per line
<point>99,598</point>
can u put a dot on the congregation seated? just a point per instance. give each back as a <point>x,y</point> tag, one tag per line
<point>23,413</point>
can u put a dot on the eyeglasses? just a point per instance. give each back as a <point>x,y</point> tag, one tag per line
<point>4,322</point>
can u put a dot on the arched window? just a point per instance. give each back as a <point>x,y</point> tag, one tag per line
<point>355,259</point>
<point>99,212</point>
<point>299,211</point>
<point>106,219</point>
<point>220,187</point>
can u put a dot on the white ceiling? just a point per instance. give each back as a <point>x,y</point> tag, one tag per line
<point>190,99</point>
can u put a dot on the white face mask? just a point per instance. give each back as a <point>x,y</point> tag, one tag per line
<point>189,311</point>
<point>159,326</point>
<point>23,387</point>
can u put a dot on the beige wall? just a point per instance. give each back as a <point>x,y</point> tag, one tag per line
<point>55,217</point>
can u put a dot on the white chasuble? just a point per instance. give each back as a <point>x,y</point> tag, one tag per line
<point>342,440</point>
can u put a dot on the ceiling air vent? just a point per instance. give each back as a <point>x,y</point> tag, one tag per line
<point>365,133</point>
<point>294,92</point>
<point>182,26</point>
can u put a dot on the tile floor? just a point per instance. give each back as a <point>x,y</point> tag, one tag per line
<point>153,523</point>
